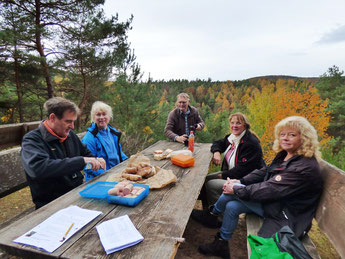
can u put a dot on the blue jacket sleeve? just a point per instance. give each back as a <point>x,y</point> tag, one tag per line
<point>90,141</point>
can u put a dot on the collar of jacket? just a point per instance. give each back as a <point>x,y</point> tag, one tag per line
<point>243,139</point>
<point>182,113</point>
<point>94,130</point>
<point>47,136</point>
<point>281,155</point>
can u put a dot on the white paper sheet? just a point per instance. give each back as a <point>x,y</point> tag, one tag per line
<point>49,234</point>
<point>117,234</point>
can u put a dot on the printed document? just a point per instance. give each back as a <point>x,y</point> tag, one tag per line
<point>118,233</point>
<point>59,227</point>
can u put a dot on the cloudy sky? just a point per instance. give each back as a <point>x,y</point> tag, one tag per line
<point>234,39</point>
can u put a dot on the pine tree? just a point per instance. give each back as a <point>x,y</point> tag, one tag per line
<point>332,88</point>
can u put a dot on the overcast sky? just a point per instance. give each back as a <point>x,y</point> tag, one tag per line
<point>234,39</point>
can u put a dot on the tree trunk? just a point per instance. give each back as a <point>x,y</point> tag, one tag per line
<point>40,50</point>
<point>18,85</point>
<point>84,98</point>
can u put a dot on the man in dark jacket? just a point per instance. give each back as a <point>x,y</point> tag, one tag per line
<point>181,119</point>
<point>53,155</point>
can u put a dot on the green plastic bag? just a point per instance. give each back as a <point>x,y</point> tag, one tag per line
<point>265,248</point>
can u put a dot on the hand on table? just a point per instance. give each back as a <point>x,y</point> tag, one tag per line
<point>182,138</point>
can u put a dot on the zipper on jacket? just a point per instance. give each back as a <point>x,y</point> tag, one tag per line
<point>285,214</point>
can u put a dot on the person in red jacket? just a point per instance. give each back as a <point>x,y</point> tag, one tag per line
<point>285,193</point>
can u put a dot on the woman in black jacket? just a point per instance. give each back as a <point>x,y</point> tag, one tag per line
<point>242,154</point>
<point>285,193</point>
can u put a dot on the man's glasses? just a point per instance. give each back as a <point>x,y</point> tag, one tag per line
<point>182,102</point>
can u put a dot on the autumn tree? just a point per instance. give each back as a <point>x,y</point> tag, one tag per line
<point>269,106</point>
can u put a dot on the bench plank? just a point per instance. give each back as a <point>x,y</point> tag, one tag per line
<point>330,214</point>
<point>11,172</point>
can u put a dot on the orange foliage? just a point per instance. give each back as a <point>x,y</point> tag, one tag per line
<point>269,106</point>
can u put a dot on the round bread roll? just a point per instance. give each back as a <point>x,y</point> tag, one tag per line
<point>131,170</point>
<point>132,177</point>
<point>144,171</point>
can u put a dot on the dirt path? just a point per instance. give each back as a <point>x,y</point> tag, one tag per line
<point>196,234</point>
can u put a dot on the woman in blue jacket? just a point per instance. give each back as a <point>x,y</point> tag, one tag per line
<point>102,139</point>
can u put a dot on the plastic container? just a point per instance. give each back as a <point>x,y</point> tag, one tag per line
<point>191,141</point>
<point>181,151</point>
<point>99,190</point>
<point>183,160</point>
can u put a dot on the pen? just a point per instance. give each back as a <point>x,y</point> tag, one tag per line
<point>68,230</point>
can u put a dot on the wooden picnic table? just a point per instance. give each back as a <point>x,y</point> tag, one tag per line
<point>161,217</point>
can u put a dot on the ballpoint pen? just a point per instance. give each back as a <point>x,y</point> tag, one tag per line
<point>68,230</point>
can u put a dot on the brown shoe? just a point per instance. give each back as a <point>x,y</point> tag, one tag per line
<point>219,247</point>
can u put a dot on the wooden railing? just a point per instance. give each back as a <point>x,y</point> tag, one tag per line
<point>12,134</point>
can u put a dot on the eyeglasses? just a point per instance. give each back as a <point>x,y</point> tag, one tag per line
<point>182,102</point>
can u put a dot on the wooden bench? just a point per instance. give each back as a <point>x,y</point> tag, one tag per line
<point>330,214</point>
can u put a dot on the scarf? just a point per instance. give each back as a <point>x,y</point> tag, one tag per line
<point>232,149</point>
<point>53,133</point>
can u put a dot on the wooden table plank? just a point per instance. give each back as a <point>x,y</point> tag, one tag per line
<point>161,218</point>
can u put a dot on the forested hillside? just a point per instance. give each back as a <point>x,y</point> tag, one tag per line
<point>70,49</point>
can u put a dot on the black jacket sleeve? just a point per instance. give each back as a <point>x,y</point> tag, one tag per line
<point>220,145</point>
<point>43,161</point>
<point>287,183</point>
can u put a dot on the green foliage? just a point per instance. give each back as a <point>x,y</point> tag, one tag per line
<point>83,46</point>
<point>332,88</point>
<point>135,109</point>
<point>333,155</point>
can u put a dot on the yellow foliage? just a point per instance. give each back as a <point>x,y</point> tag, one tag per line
<point>273,104</point>
<point>148,130</point>
<point>57,79</point>
<point>5,119</point>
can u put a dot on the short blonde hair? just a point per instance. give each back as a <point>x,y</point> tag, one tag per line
<point>99,106</point>
<point>184,95</point>
<point>310,143</point>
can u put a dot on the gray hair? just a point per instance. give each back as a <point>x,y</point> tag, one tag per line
<point>99,106</point>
